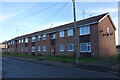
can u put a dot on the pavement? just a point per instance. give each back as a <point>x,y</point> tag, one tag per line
<point>96,66</point>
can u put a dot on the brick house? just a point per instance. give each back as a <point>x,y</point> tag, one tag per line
<point>3,47</point>
<point>96,39</point>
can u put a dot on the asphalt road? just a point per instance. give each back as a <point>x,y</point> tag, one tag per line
<point>22,69</point>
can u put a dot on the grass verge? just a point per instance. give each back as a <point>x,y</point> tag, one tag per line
<point>63,59</point>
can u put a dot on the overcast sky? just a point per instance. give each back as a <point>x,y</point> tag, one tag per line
<point>20,18</point>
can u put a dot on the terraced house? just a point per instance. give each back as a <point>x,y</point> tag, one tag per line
<point>96,39</point>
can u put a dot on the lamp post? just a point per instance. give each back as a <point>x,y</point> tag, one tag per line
<point>75,37</point>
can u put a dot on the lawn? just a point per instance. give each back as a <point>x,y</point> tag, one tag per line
<point>63,59</point>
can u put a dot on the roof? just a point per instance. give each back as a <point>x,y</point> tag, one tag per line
<point>91,20</point>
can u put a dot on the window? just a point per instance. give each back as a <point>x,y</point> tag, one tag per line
<point>33,39</point>
<point>22,40</point>
<point>44,37</point>
<point>26,40</point>
<point>70,47</point>
<point>44,48</point>
<point>70,32</point>
<point>62,47</point>
<point>61,34</point>
<point>85,47</point>
<point>85,30</point>
<point>22,48</point>
<point>39,37</point>
<point>8,50</point>
<point>53,36</point>
<point>13,41</point>
<point>26,49</point>
<point>19,49</point>
<point>108,29</point>
<point>39,48</point>
<point>33,49</point>
<point>19,41</point>
<point>8,43</point>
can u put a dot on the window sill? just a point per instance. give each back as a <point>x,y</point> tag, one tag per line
<point>84,34</point>
<point>70,50</point>
<point>85,51</point>
<point>61,50</point>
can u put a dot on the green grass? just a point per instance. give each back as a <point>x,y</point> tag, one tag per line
<point>56,58</point>
<point>21,55</point>
<point>115,57</point>
<point>63,59</point>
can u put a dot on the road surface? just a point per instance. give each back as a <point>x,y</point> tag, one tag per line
<point>22,69</point>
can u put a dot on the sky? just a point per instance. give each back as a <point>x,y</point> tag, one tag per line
<point>19,18</point>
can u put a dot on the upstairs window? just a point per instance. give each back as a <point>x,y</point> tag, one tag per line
<point>22,40</point>
<point>85,47</point>
<point>26,40</point>
<point>8,43</point>
<point>13,41</point>
<point>53,36</point>
<point>70,47</point>
<point>19,41</point>
<point>39,38</point>
<point>61,34</point>
<point>44,37</point>
<point>33,39</point>
<point>62,47</point>
<point>84,30</point>
<point>70,32</point>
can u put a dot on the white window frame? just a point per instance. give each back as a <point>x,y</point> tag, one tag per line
<point>34,39</point>
<point>44,49</point>
<point>33,49</point>
<point>61,33</point>
<point>44,37</point>
<point>70,47</point>
<point>62,47</point>
<point>86,46</point>
<point>39,48</point>
<point>53,36</point>
<point>85,31</point>
<point>8,43</point>
<point>22,40</point>
<point>19,41</point>
<point>39,38</point>
<point>70,32</point>
<point>26,40</point>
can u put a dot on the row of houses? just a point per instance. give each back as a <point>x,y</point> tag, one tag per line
<point>96,39</point>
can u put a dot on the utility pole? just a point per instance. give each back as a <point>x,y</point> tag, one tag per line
<point>76,36</point>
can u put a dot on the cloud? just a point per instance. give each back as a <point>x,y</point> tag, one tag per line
<point>101,10</point>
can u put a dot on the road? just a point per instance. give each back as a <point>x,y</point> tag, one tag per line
<point>22,69</point>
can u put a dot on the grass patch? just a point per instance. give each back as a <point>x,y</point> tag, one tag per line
<point>64,59</point>
<point>21,55</point>
<point>115,57</point>
<point>55,58</point>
